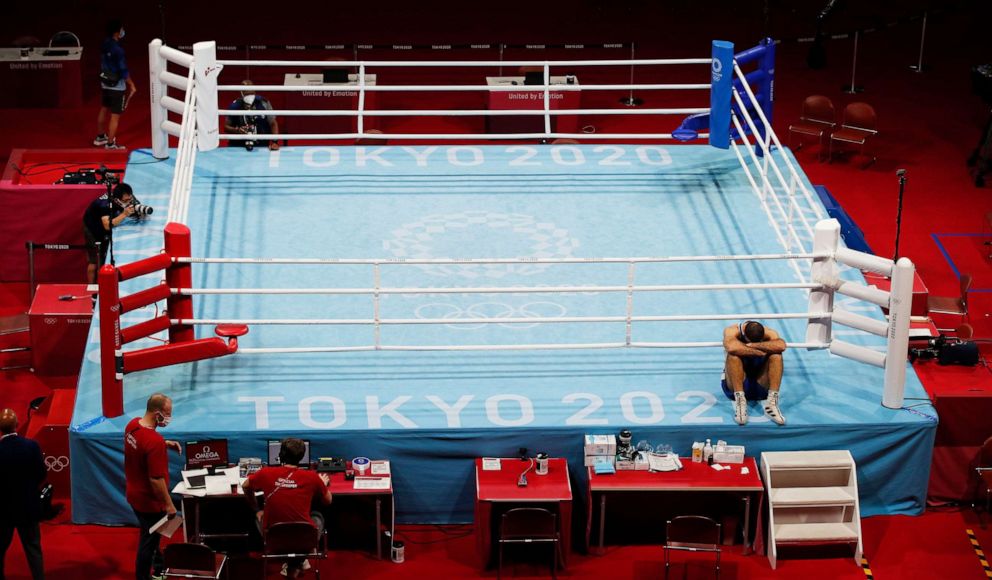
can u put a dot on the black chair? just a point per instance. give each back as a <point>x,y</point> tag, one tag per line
<point>530,526</point>
<point>192,561</point>
<point>64,38</point>
<point>288,541</point>
<point>692,534</point>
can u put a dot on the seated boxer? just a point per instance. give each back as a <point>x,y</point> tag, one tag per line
<point>753,369</point>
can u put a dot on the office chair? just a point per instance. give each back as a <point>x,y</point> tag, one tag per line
<point>955,305</point>
<point>289,541</point>
<point>857,126</point>
<point>530,526</point>
<point>984,471</point>
<point>370,138</point>
<point>64,38</point>
<point>692,534</point>
<point>818,118</point>
<point>185,560</point>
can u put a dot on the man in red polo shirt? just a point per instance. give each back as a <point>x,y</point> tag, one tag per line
<point>146,472</point>
<point>290,494</point>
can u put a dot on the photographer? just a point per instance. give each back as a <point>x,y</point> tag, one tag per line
<point>104,213</point>
<point>252,124</point>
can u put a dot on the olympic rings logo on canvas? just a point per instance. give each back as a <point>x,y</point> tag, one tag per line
<point>491,311</point>
<point>423,238</point>
<point>56,464</point>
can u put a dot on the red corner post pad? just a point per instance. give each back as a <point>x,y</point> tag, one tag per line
<point>184,352</point>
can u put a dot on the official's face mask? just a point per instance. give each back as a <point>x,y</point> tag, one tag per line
<point>121,37</point>
<point>164,420</point>
<point>249,99</point>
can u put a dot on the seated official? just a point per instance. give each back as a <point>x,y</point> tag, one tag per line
<point>104,213</point>
<point>290,494</point>
<point>753,368</point>
<point>252,124</point>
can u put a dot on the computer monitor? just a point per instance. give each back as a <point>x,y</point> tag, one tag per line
<point>534,77</point>
<point>276,445</point>
<point>335,75</point>
<point>206,453</point>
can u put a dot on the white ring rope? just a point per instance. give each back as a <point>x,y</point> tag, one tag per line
<point>770,189</point>
<point>482,347</point>
<point>494,320</point>
<point>499,289</point>
<point>421,261</point>
<point>810,200</point>
<point>778,173</point>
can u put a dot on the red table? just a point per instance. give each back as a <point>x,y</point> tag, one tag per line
<point>41,77</point>
<point>342,487</point>
<point>695,477</point>
<point>326,96</point>
<point>514,100</point>
<point>59,328</point>
<point>501,487</point>
<point>33,209</point>
<point>919,305</point>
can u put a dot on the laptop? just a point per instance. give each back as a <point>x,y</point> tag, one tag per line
<point>206,453</point>
<point>275,445</point>
<point>335,75</point>
<point>534,78</point>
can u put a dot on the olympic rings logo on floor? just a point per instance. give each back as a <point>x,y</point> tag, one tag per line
<point>491,311</point>
<point>420,239</point>
<point>56,464</point>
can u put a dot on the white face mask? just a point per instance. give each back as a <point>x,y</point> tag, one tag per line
<point>248,99</point>
<point>164,420</point>
<point>121,37</point>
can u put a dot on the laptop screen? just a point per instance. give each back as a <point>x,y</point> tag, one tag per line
<point>210,452</point>
<point>534,78</point>
<point>275,445</point>
<point>335,75</point>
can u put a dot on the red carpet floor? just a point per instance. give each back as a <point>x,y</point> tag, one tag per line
<point>933,546</point>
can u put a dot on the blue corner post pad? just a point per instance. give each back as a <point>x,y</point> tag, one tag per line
<point>720,87</point>
<point>691,126</point>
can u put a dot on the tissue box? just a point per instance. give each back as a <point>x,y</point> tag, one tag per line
<point>592,460</point>
<point>601,445</point>
<point>728,454</point>
<point>638,463</point>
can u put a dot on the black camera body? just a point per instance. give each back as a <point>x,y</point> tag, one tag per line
<point>98,176</point>
<point>947,351</point>
<point>250,129</point>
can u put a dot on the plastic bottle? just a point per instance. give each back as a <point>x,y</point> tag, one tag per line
<point>708,452</point>
<point>697,452</point>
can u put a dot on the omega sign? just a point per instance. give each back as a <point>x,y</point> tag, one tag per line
<point>206,455</point>
<point>203,453</point>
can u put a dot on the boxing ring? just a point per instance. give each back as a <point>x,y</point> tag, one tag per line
<point>433,303</point>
